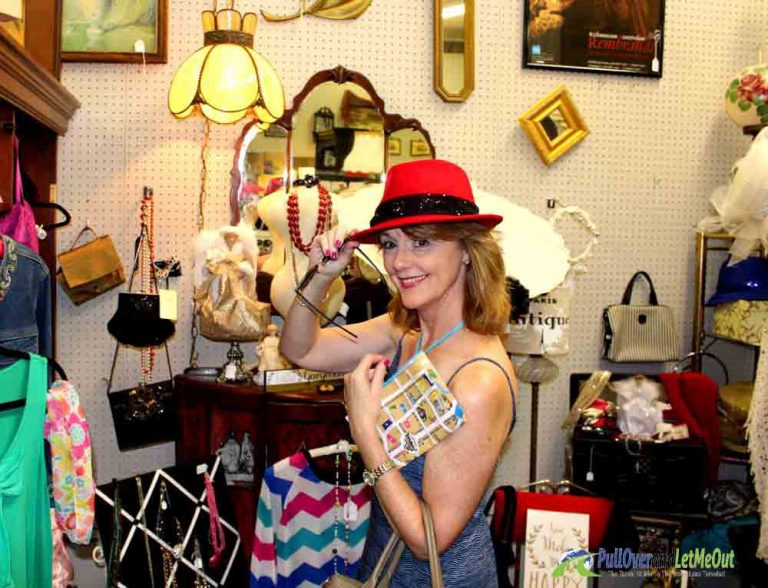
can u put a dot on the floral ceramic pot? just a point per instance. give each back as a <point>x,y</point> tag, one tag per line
<point>746,100</point>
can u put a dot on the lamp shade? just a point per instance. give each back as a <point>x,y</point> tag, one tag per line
<point>226,79</point>
<point>746,99</point>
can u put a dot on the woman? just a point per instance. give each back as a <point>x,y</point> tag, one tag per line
<point>451,296</point>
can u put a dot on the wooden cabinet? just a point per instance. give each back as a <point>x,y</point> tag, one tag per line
<point>36,109</point>
<point>276,423</point>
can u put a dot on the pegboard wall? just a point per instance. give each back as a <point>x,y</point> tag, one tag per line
<point>656,150</point>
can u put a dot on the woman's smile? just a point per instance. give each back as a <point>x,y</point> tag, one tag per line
<point>411,281</point>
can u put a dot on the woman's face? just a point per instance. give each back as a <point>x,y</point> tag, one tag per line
<point>425,271</point>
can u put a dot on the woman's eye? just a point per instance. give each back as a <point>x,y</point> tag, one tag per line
<point>387,244</point>
<point>421,242</point>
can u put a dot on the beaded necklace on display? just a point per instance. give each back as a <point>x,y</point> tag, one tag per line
<point>323,222</point>
<point>146,267</point>
<point>336,509</point>
<point>162,531</point>
<point>143,518</point>
<point>348,505</point>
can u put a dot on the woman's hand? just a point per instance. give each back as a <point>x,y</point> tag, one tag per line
<point>331,245</point>
<point>363,390</point>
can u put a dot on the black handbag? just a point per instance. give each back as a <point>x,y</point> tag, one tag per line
<point>144,414</point>
<point>137,321</point>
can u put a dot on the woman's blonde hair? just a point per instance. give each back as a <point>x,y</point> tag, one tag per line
<point>486,301</point>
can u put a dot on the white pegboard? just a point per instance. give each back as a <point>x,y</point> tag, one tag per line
<point>656,151</point>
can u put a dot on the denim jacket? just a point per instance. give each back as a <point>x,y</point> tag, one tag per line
<point>25,301</point>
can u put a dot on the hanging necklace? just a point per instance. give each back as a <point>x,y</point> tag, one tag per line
<point>337,508</point>
<point>350,508</point>
<point>173,536</point>
<point>323,222</point>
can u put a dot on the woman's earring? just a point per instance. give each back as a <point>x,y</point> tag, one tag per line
<point>466,262</point>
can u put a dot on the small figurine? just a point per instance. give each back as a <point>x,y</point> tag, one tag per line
<point>269,352</point>
<point>229,451</point>
<point>246,455</point>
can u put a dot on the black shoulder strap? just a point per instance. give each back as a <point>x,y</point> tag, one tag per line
<point>506,375</point>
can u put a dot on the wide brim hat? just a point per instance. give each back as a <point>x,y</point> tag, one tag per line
<point>422,192</point>
<point>745,280</point>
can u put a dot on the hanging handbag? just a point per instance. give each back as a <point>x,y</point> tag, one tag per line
<point>89,270</point>
<point>387,564</point>
<point>19,222</point>
<point>639,332</point>
<point>144,414</point>
<point>226,311</point>
<point>137,321</point>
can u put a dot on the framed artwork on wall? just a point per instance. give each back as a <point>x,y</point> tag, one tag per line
<point>599,36</point>
<point>420,148</point>
<point>110,30</point>
<point>395,146</point>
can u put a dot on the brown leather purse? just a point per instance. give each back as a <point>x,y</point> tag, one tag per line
<point>89,270</point>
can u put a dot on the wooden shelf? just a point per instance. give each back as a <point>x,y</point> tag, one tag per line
<point>33,90</point>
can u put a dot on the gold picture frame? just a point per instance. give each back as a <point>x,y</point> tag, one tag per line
<point>420,148</point>
<point>554,125</point>
<point>395,146</point>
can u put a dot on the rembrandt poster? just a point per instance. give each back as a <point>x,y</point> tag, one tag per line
<point>608,36</point>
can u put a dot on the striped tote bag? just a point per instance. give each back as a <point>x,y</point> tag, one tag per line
<point>639,332</point>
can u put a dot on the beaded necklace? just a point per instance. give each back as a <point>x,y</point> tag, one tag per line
<point>147,269</point>
<point>345,513</point>
<point>323,222</point>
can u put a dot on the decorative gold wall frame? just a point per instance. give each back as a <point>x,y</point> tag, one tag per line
<point>329,9</point>
<point>454,50</point>
<point>554,125</point>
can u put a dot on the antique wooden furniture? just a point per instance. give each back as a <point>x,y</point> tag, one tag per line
<point>36,108</point>
<point>278,424</point>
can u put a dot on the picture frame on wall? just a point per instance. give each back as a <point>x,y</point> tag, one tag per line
<point>616,37</point>
<point>395,146</point>
<point>420,148</point>
<point>108,31</point>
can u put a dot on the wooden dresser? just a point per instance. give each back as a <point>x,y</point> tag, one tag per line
<point>277,423</point>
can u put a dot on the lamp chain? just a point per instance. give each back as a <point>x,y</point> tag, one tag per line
<point>203,176</point>
<point>193,352</point>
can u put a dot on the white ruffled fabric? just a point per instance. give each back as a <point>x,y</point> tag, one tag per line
<point>757,436</point>
<point>742,205</point>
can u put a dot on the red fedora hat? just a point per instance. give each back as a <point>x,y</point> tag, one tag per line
<point>423,192</point>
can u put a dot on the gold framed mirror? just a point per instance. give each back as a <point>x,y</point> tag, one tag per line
<point>338,129</point>
<point>454,51</point>
<point>554,125</point>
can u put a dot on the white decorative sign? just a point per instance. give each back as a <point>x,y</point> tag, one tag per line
<point>556,550</point>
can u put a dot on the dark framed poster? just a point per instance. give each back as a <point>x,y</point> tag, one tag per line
<point>600,36</point>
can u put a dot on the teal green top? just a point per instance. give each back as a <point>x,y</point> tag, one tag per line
<point>26,549</point>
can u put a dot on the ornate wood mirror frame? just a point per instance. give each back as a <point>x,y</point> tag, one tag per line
<point>396,131</point>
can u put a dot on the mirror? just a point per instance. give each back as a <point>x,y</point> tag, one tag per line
<point>454,58</point>
<point>554,125</point>
<point>338,129</point>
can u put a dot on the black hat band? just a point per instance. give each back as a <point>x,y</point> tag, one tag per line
<point>422,204</point>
